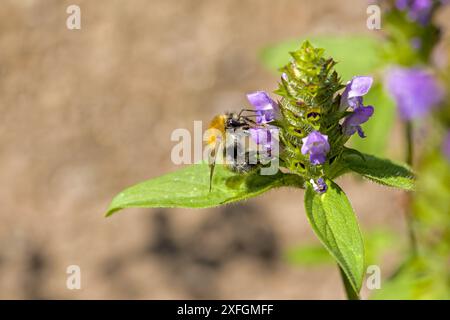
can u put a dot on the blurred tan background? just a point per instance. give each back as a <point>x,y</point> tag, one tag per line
<point>85,113</point>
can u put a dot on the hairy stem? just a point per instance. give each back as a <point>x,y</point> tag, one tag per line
<point>409,143</point>
<point>408,213</point>
<point>349,291</point>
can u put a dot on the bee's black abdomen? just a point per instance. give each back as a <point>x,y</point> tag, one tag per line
<point>239,163</point>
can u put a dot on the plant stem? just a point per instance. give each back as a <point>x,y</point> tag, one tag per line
<point>409,143</point>
<point>349,291</point>
<point>408,214</point>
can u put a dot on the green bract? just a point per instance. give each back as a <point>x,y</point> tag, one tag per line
<point>309,102</point>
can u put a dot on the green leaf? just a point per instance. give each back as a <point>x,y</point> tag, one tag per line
<point>378,128</point>
<point>356,55</point>
<point>334,222</point>
<point>381,171</point>
<point>189,188</point>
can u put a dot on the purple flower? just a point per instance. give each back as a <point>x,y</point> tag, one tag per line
<point>418,10</point>
<point>320,186</point>
<point>416,43</point>
<point>261,136</point>
<point>266,108</point>
<point>415,91</point>
<point>446,145</point>
<point>353,122</point>
<point>354,91</point>
<point>266,137</point>
<point>316,144</point>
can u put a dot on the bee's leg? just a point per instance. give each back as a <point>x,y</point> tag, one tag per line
<point>212,164</point>
<point>247,110</point>
<point>211,172</point>
<point>253,122</point>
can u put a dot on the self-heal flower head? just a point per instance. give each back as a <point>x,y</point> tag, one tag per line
<point>353,122</point>
<point>266,108</point>
<point>415,91</point>
<point>316,144</point>
<point>354,91</point>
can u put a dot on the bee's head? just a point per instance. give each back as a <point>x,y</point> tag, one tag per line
<point>234,121</point>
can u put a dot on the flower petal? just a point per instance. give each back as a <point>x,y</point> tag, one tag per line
<point>354,91</point>
<point>359,86</point>
<point>263,103</point>
<point>317,158</point>
<point>316,144</point>
<point>416,91</point>
<point>320,186</point>
<point>359,116</point>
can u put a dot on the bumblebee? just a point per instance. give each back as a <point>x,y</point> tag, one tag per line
<point>225,138</point>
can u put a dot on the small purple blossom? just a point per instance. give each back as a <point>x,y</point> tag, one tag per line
<point>415,91</point>
<point>446,145</point>
<point>316,144</point>
<point>416,43</point>
<point>266,137</point>
<point>354,91</point>
<point>353,122</point>
<point>417,10</point>
<point>320,186</point>
<point>261,136</point>
<point>266,108</point>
